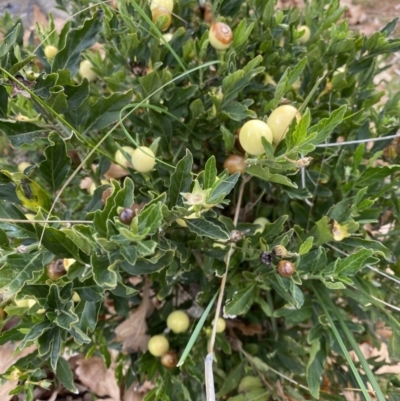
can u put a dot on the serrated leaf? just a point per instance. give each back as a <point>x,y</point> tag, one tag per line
<point>373,174</point>
<point>223,187</point>
<point>322,130</point>
<point>298,136</point>
<point>181,180</point>
<point>264,174</point>
<point>18,270</point>
<point>103,271</point>
<point>150,219</point>
<point>241,301</point>
<point>65,375</point>
<point>378,247</point>
<point>15,230</point>
<point>20,133</point>
<point>354,262</point>
<point>148,266</point>
<point>306,246</point>
<point>77,40</point>
<point>205,228</point>
<point>107,110</point>
<point>146,248</point>
<point>57,164</point>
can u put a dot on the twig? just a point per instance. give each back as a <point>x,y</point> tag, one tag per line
<point>210,391</point>
<point>382,138</point>
<point>46,221</point>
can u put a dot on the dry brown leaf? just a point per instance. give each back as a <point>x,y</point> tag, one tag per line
<point>247,329</point>
<point>137,393</point>
<point>132,331</point>
<point>86,183</point>
<point>115,171</point>
<point>94,374</point>
<point>7,359</point>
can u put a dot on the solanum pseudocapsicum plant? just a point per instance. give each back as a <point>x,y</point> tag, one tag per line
<point>184,101</point>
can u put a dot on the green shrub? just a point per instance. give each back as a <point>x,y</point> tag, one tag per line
<point>67,284</point>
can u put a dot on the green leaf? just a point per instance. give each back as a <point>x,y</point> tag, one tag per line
<point>318,133</point>
<point>241,301</point>
<point>106,110</point>
<point>306,246</point>
<point>20,133</point>
<point>374,174</point>
<point>355,262</point>
<point>65,375</point>
<point>394,346</point>
<point>242,33</point>
<point>378,247</point>
<point>57,164</point>
<point>148,266</point>
<point>3,102</point>
<point>150,219</point>
<point>9,40</point>
<point>222,187</point>
<point>210,173</point>
<point>146,248</point>
<point>77,40</point>
<point>18,270</point>
<point>15,230</point>
<point>300,133</point>
<point>315,368</point>
<point>264,174</point>
<point>59,244</point>
<point>103,271</point>
<point>181,180</point>
<point>232,380</point>
<point>205,228</point>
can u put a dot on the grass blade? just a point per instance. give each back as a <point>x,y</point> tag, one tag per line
<point>196,331</point>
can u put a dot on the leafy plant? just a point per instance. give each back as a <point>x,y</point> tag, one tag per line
<point>134,244</point>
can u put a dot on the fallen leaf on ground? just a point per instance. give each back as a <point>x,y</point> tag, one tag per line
<point>94,374</point>
<point>132,331</point>
<point>7,359</point>
<point>137,393</point>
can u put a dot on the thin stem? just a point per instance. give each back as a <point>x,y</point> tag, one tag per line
<point>383,138</point>
<point>228,259</point>
<point>45,221</point>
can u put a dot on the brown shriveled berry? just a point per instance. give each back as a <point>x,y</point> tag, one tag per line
<point>235,164</point>
<point>169,359</point>
<point>106,193</point>
<point>126,216</point>
<point>286,268</point>
<point>56,269</point>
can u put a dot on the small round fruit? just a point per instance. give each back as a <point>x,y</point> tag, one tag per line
<point>121,159</point>
<point>220,36</point>
<point>56,269</point>
<point>50,51</point>
<point>306,35</point>
<point>169,359</point>
<point>126,216</point>
<point>143,159</point>
<point>234,164</point>
<point>178,321</point>
<point>221,325</point>
<point>168,4</point>
<point>280,119</point>
<point>158,12</point>
<point>23,166</point>
<point>158,345</point>
<point>86,71</point>
<point>286,268</point>
<point>251,134</point>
